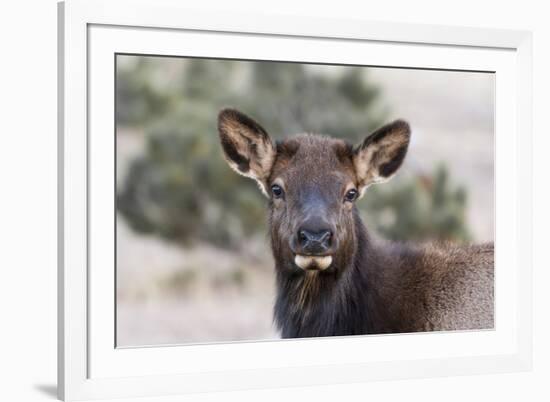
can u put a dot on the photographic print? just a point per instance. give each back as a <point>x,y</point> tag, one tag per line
<point>262,200</point>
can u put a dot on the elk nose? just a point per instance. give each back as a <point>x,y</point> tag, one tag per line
<point>314,242</point>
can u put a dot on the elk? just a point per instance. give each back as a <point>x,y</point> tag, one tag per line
<point>332,276</point>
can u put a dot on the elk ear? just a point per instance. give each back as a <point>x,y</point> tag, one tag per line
<point>379,156</point>
<point>246,146</point>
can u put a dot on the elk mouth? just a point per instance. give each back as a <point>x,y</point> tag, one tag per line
<point>313,262</point>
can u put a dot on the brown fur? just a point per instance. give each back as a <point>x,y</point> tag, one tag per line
<point>431,287</point>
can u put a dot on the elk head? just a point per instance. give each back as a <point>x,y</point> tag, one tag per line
<point>312,183</point>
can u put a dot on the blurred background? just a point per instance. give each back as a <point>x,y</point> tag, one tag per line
<point>193,258</point>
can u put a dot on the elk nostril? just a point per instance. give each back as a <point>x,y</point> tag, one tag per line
<point>302,236</point>
<point>325,237</point>
<point>314,240</point>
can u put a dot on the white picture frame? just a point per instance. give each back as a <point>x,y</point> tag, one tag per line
<point>91,32</point>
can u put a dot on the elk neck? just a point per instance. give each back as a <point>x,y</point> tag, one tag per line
<point>337,302</point>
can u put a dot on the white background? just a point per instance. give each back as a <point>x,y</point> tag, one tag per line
<point>28,199</point>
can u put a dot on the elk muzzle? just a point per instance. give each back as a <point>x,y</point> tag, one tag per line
<point>314,242</point>
<point>313,248</point>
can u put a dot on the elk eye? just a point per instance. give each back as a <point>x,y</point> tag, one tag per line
<point>277,191</point>
<point>351,195</point>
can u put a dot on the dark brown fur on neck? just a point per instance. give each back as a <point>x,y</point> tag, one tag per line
<point>392,288</point>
